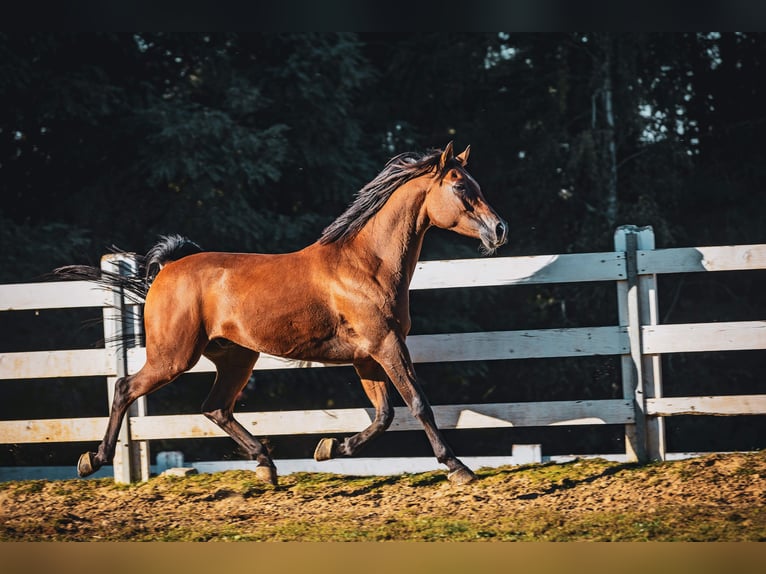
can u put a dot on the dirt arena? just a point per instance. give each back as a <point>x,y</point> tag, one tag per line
<point>714,498</point>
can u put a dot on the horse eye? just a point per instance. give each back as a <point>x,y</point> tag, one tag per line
<point>460,190</point>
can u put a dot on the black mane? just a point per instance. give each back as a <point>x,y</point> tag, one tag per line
<point>371,198</point>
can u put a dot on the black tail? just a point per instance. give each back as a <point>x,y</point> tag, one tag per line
<point>169,248</point>
<point>135,284</point>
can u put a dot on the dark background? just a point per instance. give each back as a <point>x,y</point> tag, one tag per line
<point>255,142</point>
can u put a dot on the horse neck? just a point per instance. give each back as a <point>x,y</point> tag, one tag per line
<point>393,237</point>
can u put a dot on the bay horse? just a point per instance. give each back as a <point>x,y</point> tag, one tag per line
<point>343,299</point>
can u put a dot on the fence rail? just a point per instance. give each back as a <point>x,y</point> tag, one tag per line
<point>637,337</point>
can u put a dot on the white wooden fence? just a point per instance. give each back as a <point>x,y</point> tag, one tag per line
<point>637,337</point>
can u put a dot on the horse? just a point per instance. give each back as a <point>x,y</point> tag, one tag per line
<point>341,300</point>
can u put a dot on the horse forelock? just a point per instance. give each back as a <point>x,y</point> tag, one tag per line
<point>373,196</point>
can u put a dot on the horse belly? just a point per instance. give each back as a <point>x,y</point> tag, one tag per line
<point>318,349</point>
<point>331,351</point>
<point>306,336</point>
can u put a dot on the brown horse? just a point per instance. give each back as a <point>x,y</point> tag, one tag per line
<point>343,299</point>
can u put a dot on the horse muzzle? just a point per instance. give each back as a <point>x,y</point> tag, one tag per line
<point>494,234</point>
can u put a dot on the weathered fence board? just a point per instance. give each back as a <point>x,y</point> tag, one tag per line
<point>498,345</point>
<point>536,269</point>
<point>46,364</point>
<point>58,295</point>
<point>696,337</point>
<point>473,416</point>
<point>52,430</point>
<point>456,347</point>
<point>696,259</point>
<point>424,348</point>
<point>724,405</point>
<point>499,415</point>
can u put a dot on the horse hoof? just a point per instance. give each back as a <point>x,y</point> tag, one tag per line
<point>461,476</point>
<point>267,474</point>
<point>326,449</point>
<point>87,465</point>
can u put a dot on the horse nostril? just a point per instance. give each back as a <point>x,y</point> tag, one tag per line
<point>500,231</point>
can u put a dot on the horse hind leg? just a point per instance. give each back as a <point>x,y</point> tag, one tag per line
<point>234,365</point>
<point>126,391</point>
<point>378,389</point>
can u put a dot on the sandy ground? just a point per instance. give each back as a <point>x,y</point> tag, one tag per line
<point>717,497</point>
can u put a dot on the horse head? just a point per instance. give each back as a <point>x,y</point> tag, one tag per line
<point>455,202</point>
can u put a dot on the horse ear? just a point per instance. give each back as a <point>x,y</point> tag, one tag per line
<point>447,155</point>
<point>463,157</point>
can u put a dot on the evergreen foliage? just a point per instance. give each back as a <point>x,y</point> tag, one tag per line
<point>255,142</point>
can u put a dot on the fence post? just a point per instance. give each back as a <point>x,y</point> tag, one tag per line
<point>122,327</point>
<point>641,374</point>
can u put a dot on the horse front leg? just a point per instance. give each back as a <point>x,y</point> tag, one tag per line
<point>394,357</point>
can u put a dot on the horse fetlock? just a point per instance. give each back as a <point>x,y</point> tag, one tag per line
<point>350,446</point>
<point>326,449</point>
